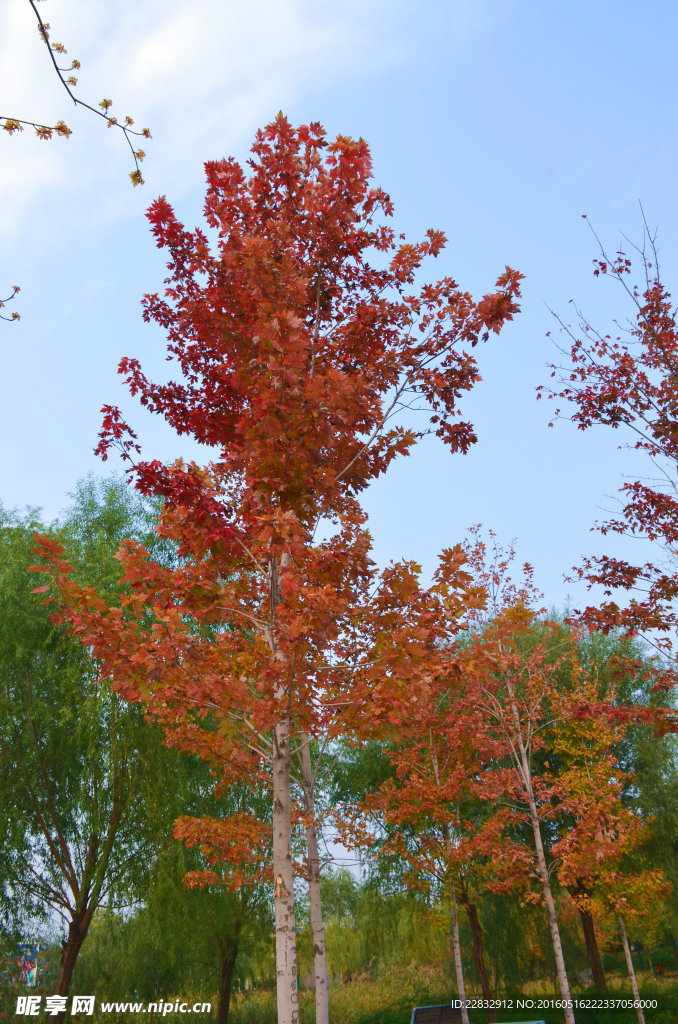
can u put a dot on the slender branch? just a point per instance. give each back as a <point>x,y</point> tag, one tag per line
<point>12,124</point>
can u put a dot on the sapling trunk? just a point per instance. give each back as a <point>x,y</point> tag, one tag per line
<point>285,935</point>
<point>522,763</point>
<point>456,944</point>
<point>629,966</point>
<point>458,966</point>
<point>542,870</point>
<point>313,861</point>
<point>283,868</point>
<point>471,912</point>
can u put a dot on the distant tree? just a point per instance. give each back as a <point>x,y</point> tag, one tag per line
<point>184,936</point>
<point>75,762</point>
<point>626,380</point>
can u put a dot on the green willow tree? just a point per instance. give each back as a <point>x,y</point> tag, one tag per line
<point>77,765</point>
<point>182,940</point>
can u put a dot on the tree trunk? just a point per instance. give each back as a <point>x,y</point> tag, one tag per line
<point>227,957</point>
<point>228,954</point>
<point>285,936</point>
<point>458,966</point>
<point>542,868</point>
<point>317,928</point>
<point>522,764</point>
<point>579,893</point>
<point>629,965</point>
<point>592,951</point>
<point>478,957</point>
<point>70,948</point>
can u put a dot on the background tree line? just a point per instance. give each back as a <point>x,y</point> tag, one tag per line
<point>91,794</point>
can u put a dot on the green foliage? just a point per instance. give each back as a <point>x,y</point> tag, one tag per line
<point>176,941</point>
<point>77,766</point>
<point>370,929</point>
<point>387,998</point>
<point>171,945</point>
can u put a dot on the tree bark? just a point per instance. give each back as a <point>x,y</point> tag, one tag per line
<point>629,966</point>
<point>227,956</point>
<point>580,892</point>
<point>458,966</point>
<point>456,944</point>
<point>283,869</point>
<point>313,858</point>
<point>542,869</point>
<point>593,953</point>
<point>285,936</point>
<point>478,955</point>
<point>70,948</point>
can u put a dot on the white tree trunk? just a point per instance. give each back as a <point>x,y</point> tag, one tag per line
<point>522,763</point>
<point>285,935</point>
<point>458,967</point>
<point>629,966</point>
<point>313,858</point>
<point>542,868</point>
<point>283,869</point>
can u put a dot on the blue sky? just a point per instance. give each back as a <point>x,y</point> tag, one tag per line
<point>499,121</point>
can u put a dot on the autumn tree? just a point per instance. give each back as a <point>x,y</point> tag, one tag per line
<point>300,337</point>
<point>599,830</point>
<point>610,697</point>
<point>417,807</point>
<point>545,764</point>
<point>508,698</point>
<point>626,380</point>
<point>622,717</point>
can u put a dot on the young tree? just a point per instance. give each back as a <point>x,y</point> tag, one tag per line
<point>644,764</point>
<point>542,759</point>
<point>600,831</point>
<point>509,696</point>
<point>419,803</point>
<point>424,789</point>
<point>75,761</point>
<point>297,355</point>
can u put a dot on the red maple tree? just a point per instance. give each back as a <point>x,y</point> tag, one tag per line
<point>300,336</point>
<point>626,380</point>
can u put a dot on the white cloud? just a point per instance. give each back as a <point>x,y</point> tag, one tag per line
<point>200,76</point>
